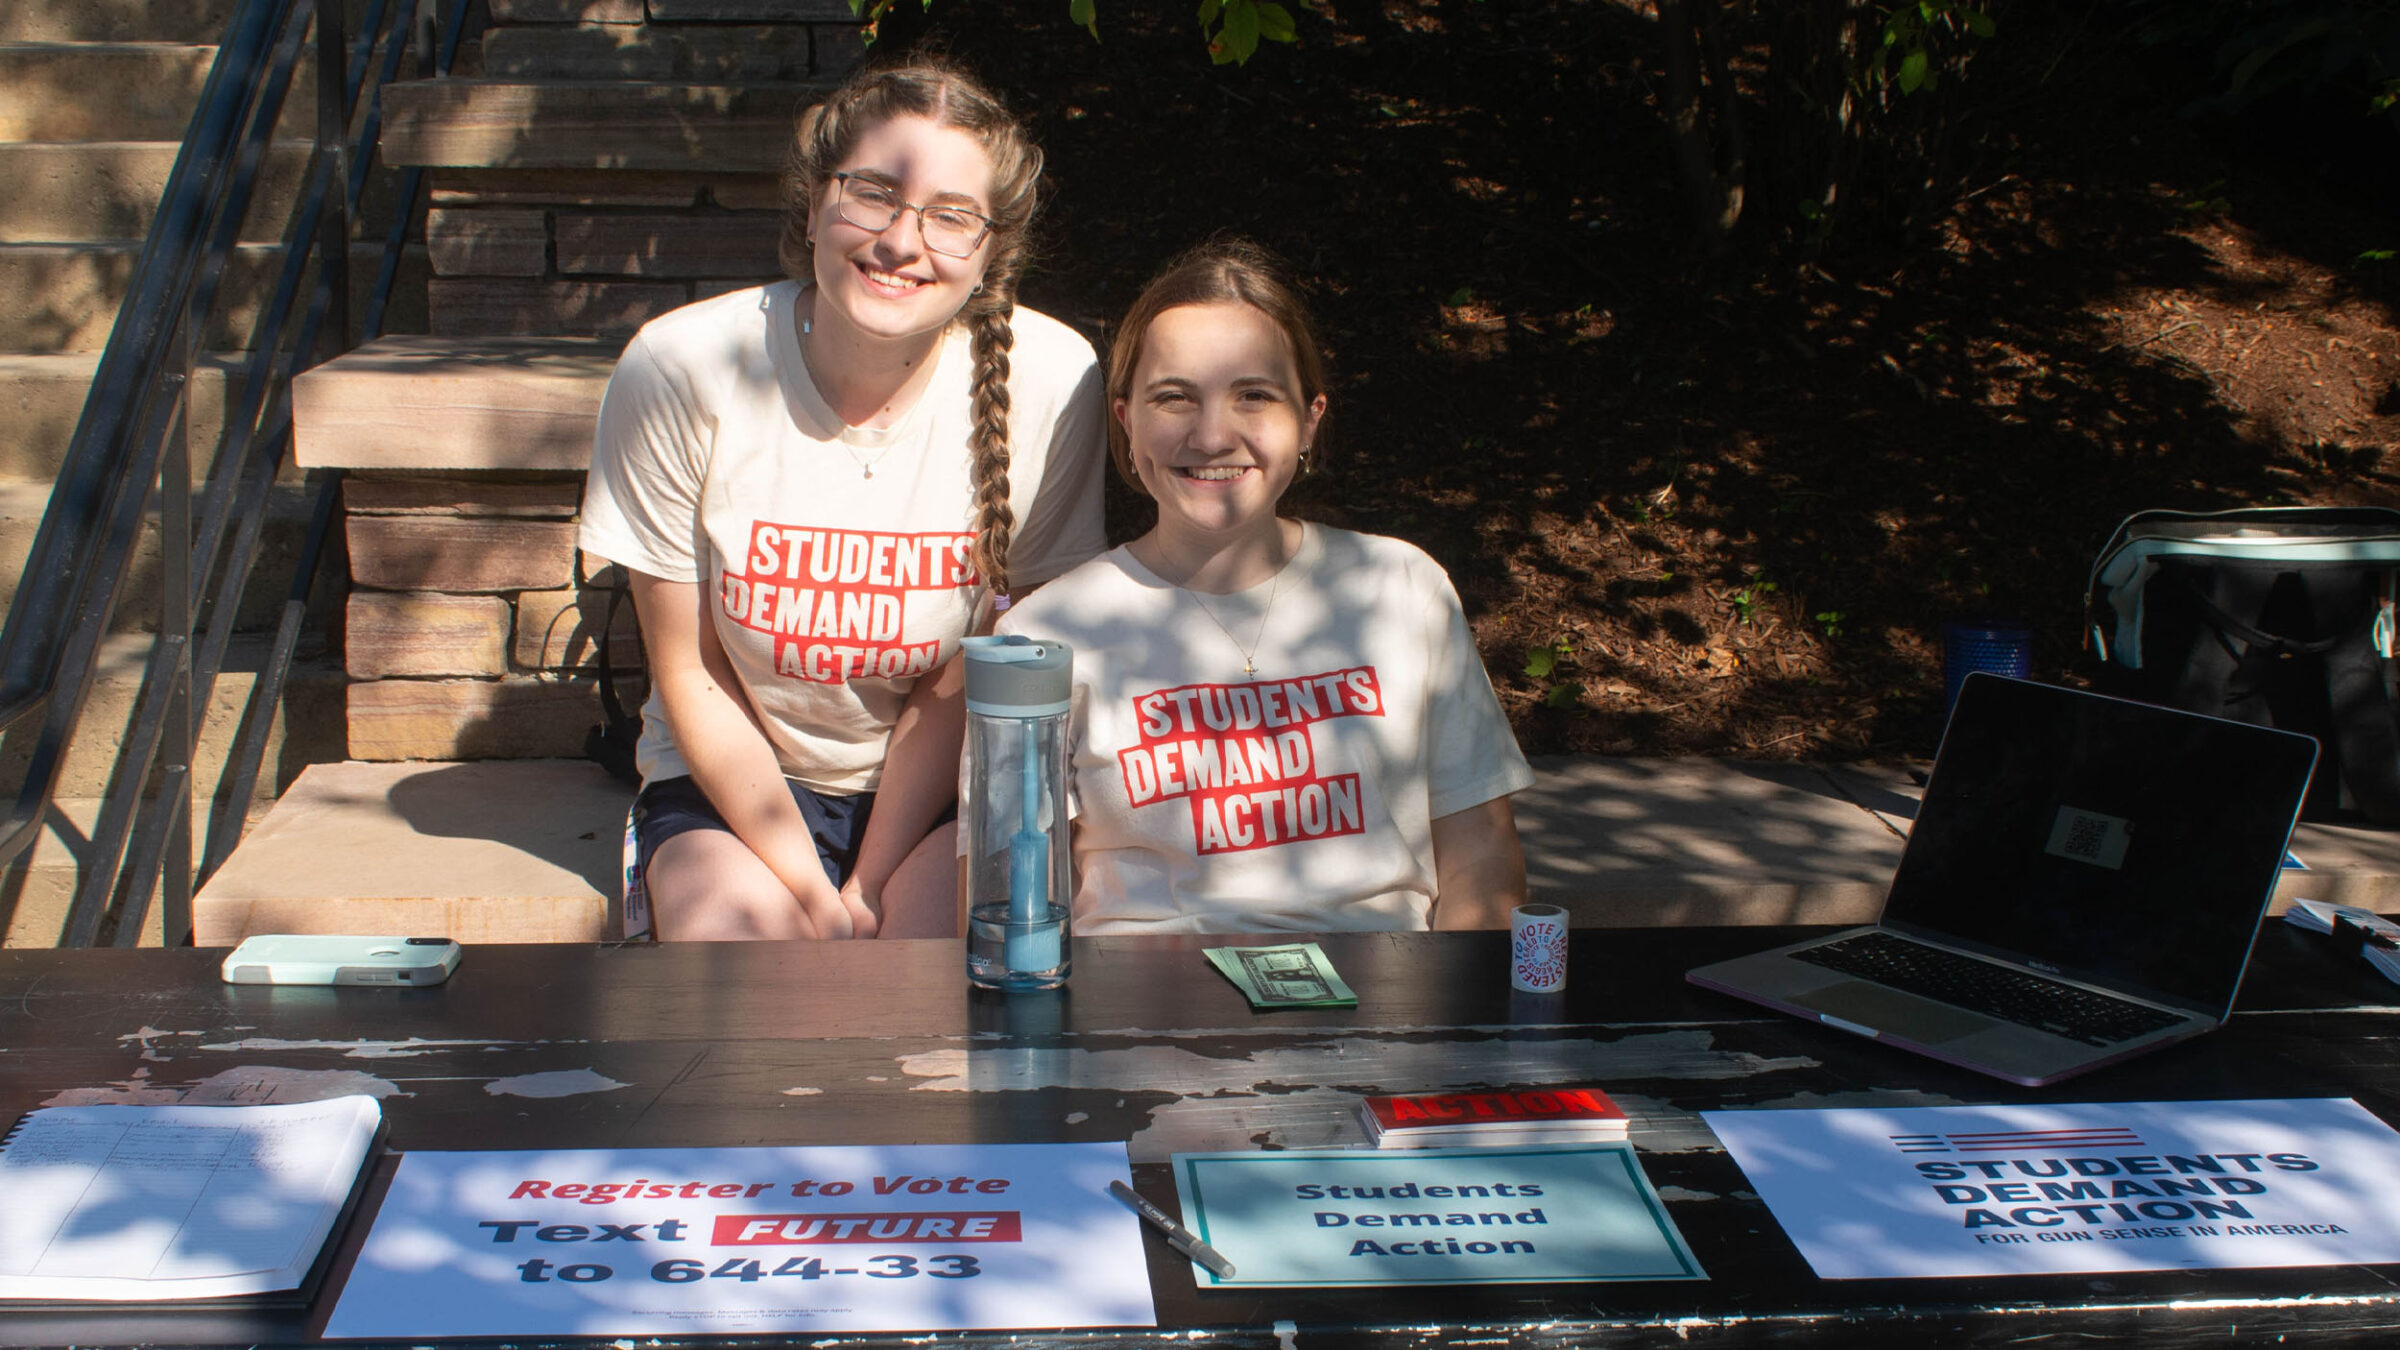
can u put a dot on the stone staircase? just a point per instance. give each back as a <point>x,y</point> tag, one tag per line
<point>95,99</point>
<point>596,162</point>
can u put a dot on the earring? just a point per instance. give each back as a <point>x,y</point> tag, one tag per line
<point>978,289</point>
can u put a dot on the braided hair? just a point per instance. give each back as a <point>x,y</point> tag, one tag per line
<point>946,95</point>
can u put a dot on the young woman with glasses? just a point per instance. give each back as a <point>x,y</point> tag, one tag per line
<point>1275,725</point>
<point>816,486</point>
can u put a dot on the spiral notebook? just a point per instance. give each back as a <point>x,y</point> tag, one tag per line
<point>172,1204</point>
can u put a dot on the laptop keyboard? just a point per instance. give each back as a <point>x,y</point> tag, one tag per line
<point>1994,990</point>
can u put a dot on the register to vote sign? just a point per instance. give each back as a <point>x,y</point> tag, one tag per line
<point>2023,1190</point>
<point>678,1241</point>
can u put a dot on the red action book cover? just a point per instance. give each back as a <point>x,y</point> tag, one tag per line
<point>1562,1112</point>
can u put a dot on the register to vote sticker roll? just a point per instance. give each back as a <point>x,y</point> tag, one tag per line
<point>1537,949</point>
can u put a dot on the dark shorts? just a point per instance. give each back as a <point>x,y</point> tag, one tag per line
<point>673,806</point>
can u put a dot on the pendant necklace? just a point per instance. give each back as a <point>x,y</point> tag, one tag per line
<point>866,463</point>
<point>1249,666</point>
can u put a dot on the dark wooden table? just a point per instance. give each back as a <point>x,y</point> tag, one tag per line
<point>773,1044</point>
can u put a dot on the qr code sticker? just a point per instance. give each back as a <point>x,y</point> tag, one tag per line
<point>2086,837</point>
<point>2089,837</point>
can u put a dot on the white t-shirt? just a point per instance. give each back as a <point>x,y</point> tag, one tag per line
<point>835,559</point>
<point>1302,799</point>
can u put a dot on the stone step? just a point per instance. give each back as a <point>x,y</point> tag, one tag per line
<point>592,124</point>
<point>42,396</point>
<point>454,403</point>
<point>109,190</point>
<point>521,851</point>
<point>469,849</point>
<point>307,729</point>
<point>120,91</point>
<point>64,297</point>
<point>701,53</point>
<point>21,506</point>
<point>37,889</point>
<point>728,11</point>
<point>86,91</point>
<point>114,20</point>
<point>1635,843</point>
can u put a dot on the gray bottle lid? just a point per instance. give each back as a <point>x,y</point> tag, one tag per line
<point>1018,676</point>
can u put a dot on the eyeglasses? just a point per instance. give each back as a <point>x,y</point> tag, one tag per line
<point>953,231</point>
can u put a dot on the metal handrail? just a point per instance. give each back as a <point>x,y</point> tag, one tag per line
<point>128,455</point>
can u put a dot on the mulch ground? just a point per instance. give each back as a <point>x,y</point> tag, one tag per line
<point>1722,504</point>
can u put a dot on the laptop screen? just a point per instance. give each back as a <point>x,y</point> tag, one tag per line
<point>2126,845</point>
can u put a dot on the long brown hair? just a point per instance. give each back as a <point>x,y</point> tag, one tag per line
<point>947,96</point>
<point>1220,271</point>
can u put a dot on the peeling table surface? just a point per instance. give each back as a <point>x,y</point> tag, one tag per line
<point>720,1045</point>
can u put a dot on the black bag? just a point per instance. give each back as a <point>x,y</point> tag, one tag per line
<point>2279,616</point>
<point>613,743</point>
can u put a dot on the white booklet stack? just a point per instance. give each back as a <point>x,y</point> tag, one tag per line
<point>172,1203</point>
<point>2382,945</point>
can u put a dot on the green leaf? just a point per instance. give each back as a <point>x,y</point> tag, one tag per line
<point>1209,10</point>
<point>1084,14</point>
<point>1541,661</point>
<point>1980,23</point>
<point>1462,296</point>
<point>1564,695</point>
<point>1275,23</point>
<point>1912,71</point>
<point>1240,34</point>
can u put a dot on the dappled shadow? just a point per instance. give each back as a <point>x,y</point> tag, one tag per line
<point>1734,495</point>
<point>1740,494</point>
<point>1632,843</point>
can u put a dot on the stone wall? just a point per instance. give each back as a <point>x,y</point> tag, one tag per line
<point>597,250</point>
<point>473,624</point>
<point>472,620</point>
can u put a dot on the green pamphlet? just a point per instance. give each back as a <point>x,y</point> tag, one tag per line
<point>1565,1212</point>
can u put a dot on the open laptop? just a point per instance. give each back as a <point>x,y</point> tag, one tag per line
<point>2082,884</point>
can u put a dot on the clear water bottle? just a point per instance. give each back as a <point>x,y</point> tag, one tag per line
<point>1019,872</point>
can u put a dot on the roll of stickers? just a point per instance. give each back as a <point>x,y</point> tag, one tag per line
<point>1537,949</point>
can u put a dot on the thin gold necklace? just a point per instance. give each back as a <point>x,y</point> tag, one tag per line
<point>866,463</point>
<point>1249,666</point>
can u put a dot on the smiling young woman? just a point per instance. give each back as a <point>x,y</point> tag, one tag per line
<point>817,486</point>
<point>1275,725</point>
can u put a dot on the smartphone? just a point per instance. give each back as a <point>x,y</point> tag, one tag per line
<point>292,958</point>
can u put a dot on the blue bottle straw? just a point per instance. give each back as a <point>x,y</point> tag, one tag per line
<point>1032,934</point>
